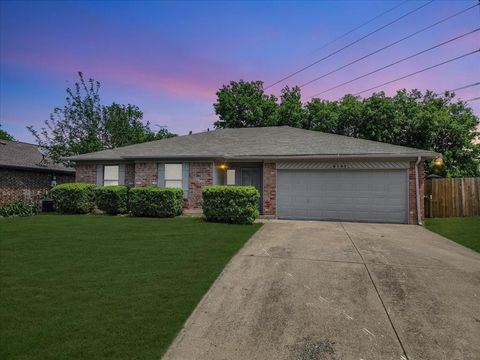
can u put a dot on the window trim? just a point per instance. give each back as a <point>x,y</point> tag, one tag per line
<point>233,173</point>
<point>111,180</point>
<point>173,179</point>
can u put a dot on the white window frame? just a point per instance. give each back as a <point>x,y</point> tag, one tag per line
<point>231,176</point>
<point>174,180</point>
<point>111,181</point>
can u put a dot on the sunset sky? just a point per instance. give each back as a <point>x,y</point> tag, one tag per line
<point>169,58</point>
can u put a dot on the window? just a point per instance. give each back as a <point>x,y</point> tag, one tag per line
<point>230,177</point>
<point>173,176</point>
<point>111,175</point>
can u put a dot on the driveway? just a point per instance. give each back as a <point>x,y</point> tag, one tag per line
<point>329,290</point>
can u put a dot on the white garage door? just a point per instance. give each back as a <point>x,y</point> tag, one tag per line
<point>351,195</point>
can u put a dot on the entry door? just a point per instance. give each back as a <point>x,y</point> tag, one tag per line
<point>357,195</point>
<point>252,177</point>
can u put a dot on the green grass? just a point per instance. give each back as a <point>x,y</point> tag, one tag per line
<point>465,231</point>
<point>99,287</point>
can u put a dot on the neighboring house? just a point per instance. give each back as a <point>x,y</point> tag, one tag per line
<point>300,174</point>
<point>25,174</point>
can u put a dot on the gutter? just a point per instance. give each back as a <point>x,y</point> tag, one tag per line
<point>227,157</point>
<point>417,192</point>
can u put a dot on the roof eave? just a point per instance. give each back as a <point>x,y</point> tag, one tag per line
<point>425,155</point>
<point>38,169</point>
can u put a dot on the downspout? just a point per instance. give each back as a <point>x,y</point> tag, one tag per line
<point>417,191</point>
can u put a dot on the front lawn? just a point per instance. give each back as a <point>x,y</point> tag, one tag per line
<point>465,231</point>
<point>100,287</point>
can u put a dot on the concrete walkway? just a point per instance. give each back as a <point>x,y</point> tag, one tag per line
<point>329,290</point>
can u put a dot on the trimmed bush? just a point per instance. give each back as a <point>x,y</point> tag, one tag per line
<point>112,199</point>
<point>74,198</point>
<point>155,201</point>
<point>230,204</point>
<point>18,209</point>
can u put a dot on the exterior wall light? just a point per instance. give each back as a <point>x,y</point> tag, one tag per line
<point>438,162</point>
<point>223,166</point>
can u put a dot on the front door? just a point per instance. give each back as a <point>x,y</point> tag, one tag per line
<point>252,177</point>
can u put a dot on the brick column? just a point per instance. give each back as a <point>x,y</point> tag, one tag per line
<point>412,195</point>
<point>146,173</point>
<point>130,174</point>
<point>86,173</point>
<point>269,188</point>
<point>200,175</point>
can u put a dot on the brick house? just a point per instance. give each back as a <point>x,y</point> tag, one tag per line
<point>300,174</point>
<point>25,175</point>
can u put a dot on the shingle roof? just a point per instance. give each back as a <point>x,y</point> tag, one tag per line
<point>14,154</point>
<point>256,143</point>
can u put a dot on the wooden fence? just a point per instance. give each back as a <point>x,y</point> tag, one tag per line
<point>452,197</point>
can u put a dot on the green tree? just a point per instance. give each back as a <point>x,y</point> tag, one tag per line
<point>409,118</point>
<point>5,135</point>
<point>291,111</point>
<point>123,126</point>
<point>245,104</point>
<point>321,115</point>
<point>84,125</point>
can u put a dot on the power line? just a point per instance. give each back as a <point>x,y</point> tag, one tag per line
<point>360,26</point>
<point>350,44</point>
<point>473,99</point>
<point>389,45</point>
<point>419,71</point>
<point>398,61</point>
<point>466,86</point>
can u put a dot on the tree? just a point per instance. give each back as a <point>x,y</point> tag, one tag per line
<point>245,104</point>
<point>5,135</point>
<point>84,125</point>
<point>123,126</point>
<point>290,111</point>
<point>426,121</point>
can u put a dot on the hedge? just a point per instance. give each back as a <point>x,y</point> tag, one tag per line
<point>74,198</point>
<point>230,204</point>
<point>112,199</point>
<point>156,201</point>
<point>18,209</point>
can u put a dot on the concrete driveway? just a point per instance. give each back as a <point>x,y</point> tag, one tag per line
<point>330,290</point>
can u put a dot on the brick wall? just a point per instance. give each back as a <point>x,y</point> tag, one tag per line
<point>412,198</point>
<point>146,173</point>
<point>86,173</point>
<point>130,174</point>
<point>200,175</point>
<point>269,188</point>
<point>24,185</point>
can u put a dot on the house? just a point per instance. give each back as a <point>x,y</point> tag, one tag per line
<point>26,175</point>
<point>300,174</point>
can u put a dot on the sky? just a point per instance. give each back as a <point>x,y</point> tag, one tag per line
<point>170,58</point>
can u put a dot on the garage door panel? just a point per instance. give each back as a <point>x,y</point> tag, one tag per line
<point>354,195</point>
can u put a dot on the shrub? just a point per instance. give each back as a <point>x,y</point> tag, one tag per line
<point>155,201</point>
<point>112,199</point>
<point>74,198</point>
<point>18,209</point>
<point>230,204</point>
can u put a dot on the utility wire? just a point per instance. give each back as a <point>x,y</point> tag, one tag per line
<point>473,99</point>
<point>466,86</point>
<point>419,71</point>
<point>399,61</point>
<point>360,26</point>
<point>389,45</point>
<point>350,44</point>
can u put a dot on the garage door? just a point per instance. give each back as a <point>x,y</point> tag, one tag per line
<point>351,195</point>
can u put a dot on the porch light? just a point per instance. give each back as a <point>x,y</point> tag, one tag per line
<point>438,162</point>
<point>223,166</point>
